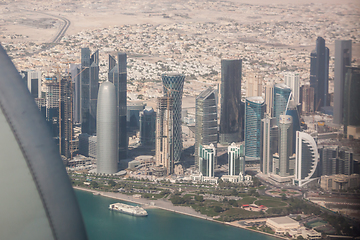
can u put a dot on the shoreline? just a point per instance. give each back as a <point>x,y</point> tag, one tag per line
<point>168,206</point>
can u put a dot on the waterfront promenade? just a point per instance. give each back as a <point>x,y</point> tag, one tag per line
<point>168,206</point>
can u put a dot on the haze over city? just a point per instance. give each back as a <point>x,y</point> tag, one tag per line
<point>237,112</point>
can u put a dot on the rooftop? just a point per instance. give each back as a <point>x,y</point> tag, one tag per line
<point>282,220</point>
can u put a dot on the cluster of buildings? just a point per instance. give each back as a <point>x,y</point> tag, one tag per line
<point>262,127</point>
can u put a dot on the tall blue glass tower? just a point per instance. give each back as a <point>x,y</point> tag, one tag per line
<point>254,112</point>
<point>281,98</point>
<point>293,112</point>
<point>173,87</point>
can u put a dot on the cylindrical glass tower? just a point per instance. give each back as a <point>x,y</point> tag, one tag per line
<point>107,139</point>
<point>173,87</point>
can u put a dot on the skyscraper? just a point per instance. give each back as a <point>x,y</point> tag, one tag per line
<point>342,60</point>
<point>89,80</point>
<point>268,143</point>
<point>75,76</point>
<point>336,160</point>
<point>230,116</point>
<point>173,84</point>
<point>307,99</point>
<point>205,120</point>
<point>207,155</point>
<point>118,76</point>
<point>254,112</point>
<point>107,122</point>
<point>165,141</point>
<point>306,160</point>
<point>285,146</point>
<point>281,99</point>
<point>352,98</point>
<point>65,116</point>
<point>52,106</point>
<point>292,111</point>
<point>147,127</point>
<point>33,82</point>
<point>292,80</point>
<point>269,98</point>
<point>319,73</point>
<point>236,159</point>
<point>253,85</point>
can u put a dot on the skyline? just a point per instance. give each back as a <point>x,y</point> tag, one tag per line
<point>172,55</point>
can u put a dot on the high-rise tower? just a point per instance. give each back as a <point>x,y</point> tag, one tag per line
<point>285,146</point>
<point>107,122</point>
<point>268,143</point>
<point>281,98</point>
<point>269,98</point>
<point>342,60</point>
<point>173,87</point>
<point>147,127</point>
<point>33,82</point>
<point>306,160</point>
<point>319,72</point>
<point>118,76</point>
<point>207,155</point>
<point>205,120</point>
<point>254,112</point>
<point>293,82</point>
<point>89,80</point>
<point>236,159</point>
<point>164,153</point>
<point>65,116</point>
<point>230,116</point>
<point>352,98</point>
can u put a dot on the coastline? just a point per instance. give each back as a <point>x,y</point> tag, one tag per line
<point>168,206</point>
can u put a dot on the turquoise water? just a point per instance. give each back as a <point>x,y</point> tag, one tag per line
<point>103,224</point>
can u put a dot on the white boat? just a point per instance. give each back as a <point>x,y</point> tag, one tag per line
<point>128,209</point>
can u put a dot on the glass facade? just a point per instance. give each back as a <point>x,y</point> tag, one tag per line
<point>89,81</point>
<point>118,76</point>
<point>147,127</point>
<point>231,117</point>
<point>173,87</point>
<point>352,98</point>
<point>285,145</point>
<point>207,155</point>
<point>342,60</point>
<point>254,112</point>
<point>281,98</point>
<point>206,121</point>
<point>236,159</point>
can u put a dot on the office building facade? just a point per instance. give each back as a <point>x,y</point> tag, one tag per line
<point>285,145</point>
<point>236,159</point>
<point>253,85</point>
<point>230,115</point>
<point>118,76</point>
<point>206,129</point>
<point>107,122</point>
<point>342,60</point>
<point>319,73</point>
<point>254,112</point>
<point>207,155</point>
<point>147,127</point>
<point>164,145</point>
<point>292,110</point>
<point>268,143</point>
<point>65,117</point>
<point>173,85</point>
<point>351,98</point>
<point>89,81</point>
<point>307,158</point>
<point>292,80</point>
<point>269,99</point>
<point>336,160</point>
<point>33,82</point>
<point>281,99</point>
<point>307,105</point>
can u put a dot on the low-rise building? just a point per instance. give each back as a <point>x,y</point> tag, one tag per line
<point>340,182</point>
<point>282,225</point>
